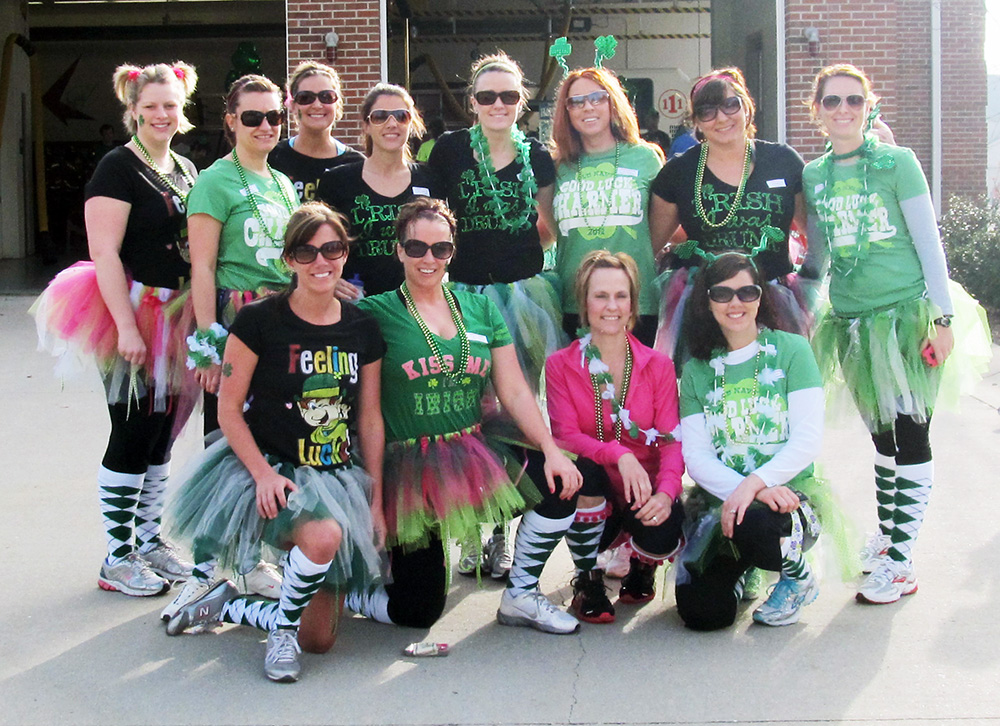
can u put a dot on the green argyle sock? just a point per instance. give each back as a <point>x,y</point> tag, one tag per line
<point>301,581</point>
<point>150,509</point>
<point>119,497</point>
<point>584,536</point>
<point>885,491</point>
<point>913,490</point>
<point>537,537</point>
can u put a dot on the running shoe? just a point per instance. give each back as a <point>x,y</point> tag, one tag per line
<point>131,576</point>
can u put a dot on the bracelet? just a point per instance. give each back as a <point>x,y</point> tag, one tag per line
<point>206,346</point>
<point>944,321</point>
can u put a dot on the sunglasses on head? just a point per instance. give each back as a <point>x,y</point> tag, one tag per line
<point>305,254</point>
<point>307,98</point>
<point>381,116</point>
<point>253,119</point>
<point>723,294</point>
<point>708,111</point>
<point>488,98</point>
<point>596,98</point>
<point>833,101</point>
<point>417,249</point>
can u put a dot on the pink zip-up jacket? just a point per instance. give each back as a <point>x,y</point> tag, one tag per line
<point>651,400</point>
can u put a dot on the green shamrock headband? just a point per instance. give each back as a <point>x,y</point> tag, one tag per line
<point>604,49</point>
<point>768,235</point>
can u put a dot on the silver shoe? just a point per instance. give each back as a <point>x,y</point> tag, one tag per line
<point>281,663</point>
<point>204,613</point>
<point>165,561</point>
<point>498,556</point>
<point>132,576</point>
<point>192,590</point>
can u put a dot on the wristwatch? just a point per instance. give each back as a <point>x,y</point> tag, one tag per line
<point>944,321</point>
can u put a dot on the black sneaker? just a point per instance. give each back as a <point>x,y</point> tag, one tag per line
<point>637,585</point>
<point>590,600</point>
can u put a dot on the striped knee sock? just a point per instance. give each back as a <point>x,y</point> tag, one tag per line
<point>301,581</point>
<point>885,491</point>
<point>913,490</point>
<point>584,536</point>
<point>257,612</point>
<point>150,509</point>
<point>372,602</point>
<point>537,537</point>
<point>793,563</point>
<point>119,497</point>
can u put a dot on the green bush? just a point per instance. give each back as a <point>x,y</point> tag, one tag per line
<point>971,234</point>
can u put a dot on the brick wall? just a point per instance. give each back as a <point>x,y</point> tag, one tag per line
<point>358,53</point>
<point>891,41</point>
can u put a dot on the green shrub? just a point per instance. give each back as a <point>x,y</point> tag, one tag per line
<point>971,234</point>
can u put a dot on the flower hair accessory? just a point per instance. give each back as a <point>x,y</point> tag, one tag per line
<point>180,73</point>
<point>133,75</point>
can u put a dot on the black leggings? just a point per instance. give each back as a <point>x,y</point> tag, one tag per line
<point>707,600</point>
<point>908,442</point>
<point>417,592</point>
<point>140,437</point>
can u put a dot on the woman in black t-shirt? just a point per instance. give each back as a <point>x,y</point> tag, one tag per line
<point>122,310</point>
<point>309,365</point>
<point>370,192</point>
<point>727,193</point>
<point>315,103</point>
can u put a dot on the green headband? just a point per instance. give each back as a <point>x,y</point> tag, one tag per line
<point>768,234</point>
<point>604,49</point>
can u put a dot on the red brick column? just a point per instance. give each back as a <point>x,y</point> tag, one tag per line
<point>358,61</point>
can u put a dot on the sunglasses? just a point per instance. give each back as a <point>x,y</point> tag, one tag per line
<point>488,98</point>
<point>381,116</point>
<point>707,112</point>
<point>306,254</point>
<point>307,98</point>
<point>416,249</point>
<point>723,294</point>
<point>253,119</point>
<point>833,101</point>
<point>596,98</point>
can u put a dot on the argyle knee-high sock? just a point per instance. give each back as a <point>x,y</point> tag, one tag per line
<point>885,491</point>
<point>205,561</point>
<point>913,490</point>
<point>301,581</point>
<point>119,497</point>
<point>372,602</point>
<point>150,509</point>
<point>584,536</point>
<point>257,612</point>
<point>537,537</point>
<point>794,565</point>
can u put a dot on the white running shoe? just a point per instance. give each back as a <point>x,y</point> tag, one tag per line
<point>131,576</point>
<point>166,562</point>
<point>532,609</point>
<point>264,579</point>
<point>890,581</point>
<point>875,550</point>
<point>192,590</point>
<point>281,662</point>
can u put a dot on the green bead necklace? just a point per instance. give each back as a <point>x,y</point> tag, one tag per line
<point>699,205</point>
<point>463,357</point>
<point>253,199</point>
<point>163,176</point>
<point>607,212</point>
<point>509,217</point>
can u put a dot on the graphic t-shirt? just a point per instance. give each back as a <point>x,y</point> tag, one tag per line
<point>768,200</point>
<point>486,252</point>
<point>373,221</point>
<point>748,430</point>
<point>887,269</point>
<point>418,399</point>
<point>600,207</point>
<point>248,255</point>
<point>154,248</point>
<point>305,387</point>
<point>306,171</point>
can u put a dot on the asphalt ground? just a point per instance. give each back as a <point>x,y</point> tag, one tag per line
<point>71,653</point>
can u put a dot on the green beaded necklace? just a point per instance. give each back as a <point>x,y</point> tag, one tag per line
<point>463,357</point>
<point>599,380</point>
<point>163,176</point>
<point>699,205</point>
<point>253,199</point>
<point>607,212</point>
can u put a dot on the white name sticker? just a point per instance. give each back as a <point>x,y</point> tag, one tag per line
<point>476,337</point>
<point>818,188</point>
<point>421,191</point>
<point>627,172</point>
<point>776,184</point>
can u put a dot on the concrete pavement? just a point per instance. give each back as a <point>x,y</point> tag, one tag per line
<point>73,654</point>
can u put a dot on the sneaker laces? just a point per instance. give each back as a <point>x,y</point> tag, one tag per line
<point>783,592</point>
<point>886,572</point>
<point>138,565</point>
<point>285,646</point>
<point>541,602</point>
<point>876,545</point>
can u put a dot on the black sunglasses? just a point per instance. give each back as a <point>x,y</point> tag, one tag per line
<point>307,98</point>
<point>707,112</point>
<point>723,294</point>
<point>596,98</point>
<point>488,98</point>
<point>306,254</point>
<point>417,249</point>
<point>833,101</point>
<point>253,119</point>
<point>381,116</point>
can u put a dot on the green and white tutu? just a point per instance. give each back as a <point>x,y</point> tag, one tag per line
<point>214,509</point>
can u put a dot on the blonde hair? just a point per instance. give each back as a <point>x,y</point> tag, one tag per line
<point>840,69</point>
<point>307,69</point>
<point>502,63</point>
<point>604,260</point>
<point>129,80</point>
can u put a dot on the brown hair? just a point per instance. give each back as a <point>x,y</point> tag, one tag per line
<point>306,221</point>
<point>307,69</point>
<point>129,80</point>
<point>840,69</point>
<point>604,260</point>
<point>710,90</point>
<point>566,145</point>
<point>416,129</point>
<point>428,208</point>
<point>250,83</point>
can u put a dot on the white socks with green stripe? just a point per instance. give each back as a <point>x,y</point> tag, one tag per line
<point>537,537</point>
<point>119,497</point>
<point>913,491</point>
<point>150,509</point>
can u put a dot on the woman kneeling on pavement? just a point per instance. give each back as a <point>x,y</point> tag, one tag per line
<point>752,425</point>
<point>633,466</point>
<point>309,366</point>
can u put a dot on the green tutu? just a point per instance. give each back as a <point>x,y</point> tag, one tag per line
<point>214,510</point>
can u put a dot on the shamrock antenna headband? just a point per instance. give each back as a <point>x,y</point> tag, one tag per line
<point>768,234</point>
<point>604,49</point>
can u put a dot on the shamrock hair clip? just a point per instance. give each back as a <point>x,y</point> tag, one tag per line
<point>768,235</point>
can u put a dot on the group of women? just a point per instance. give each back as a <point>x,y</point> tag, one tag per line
<point>366,402</point>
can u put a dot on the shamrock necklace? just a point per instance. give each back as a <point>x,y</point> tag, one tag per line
<point>253,199</point>
<point>699,204</point>
<point>162,175</point>
<point>504,210</point>
<point>463,357</point>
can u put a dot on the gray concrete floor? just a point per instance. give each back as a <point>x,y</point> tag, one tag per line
<point>73,654</point>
